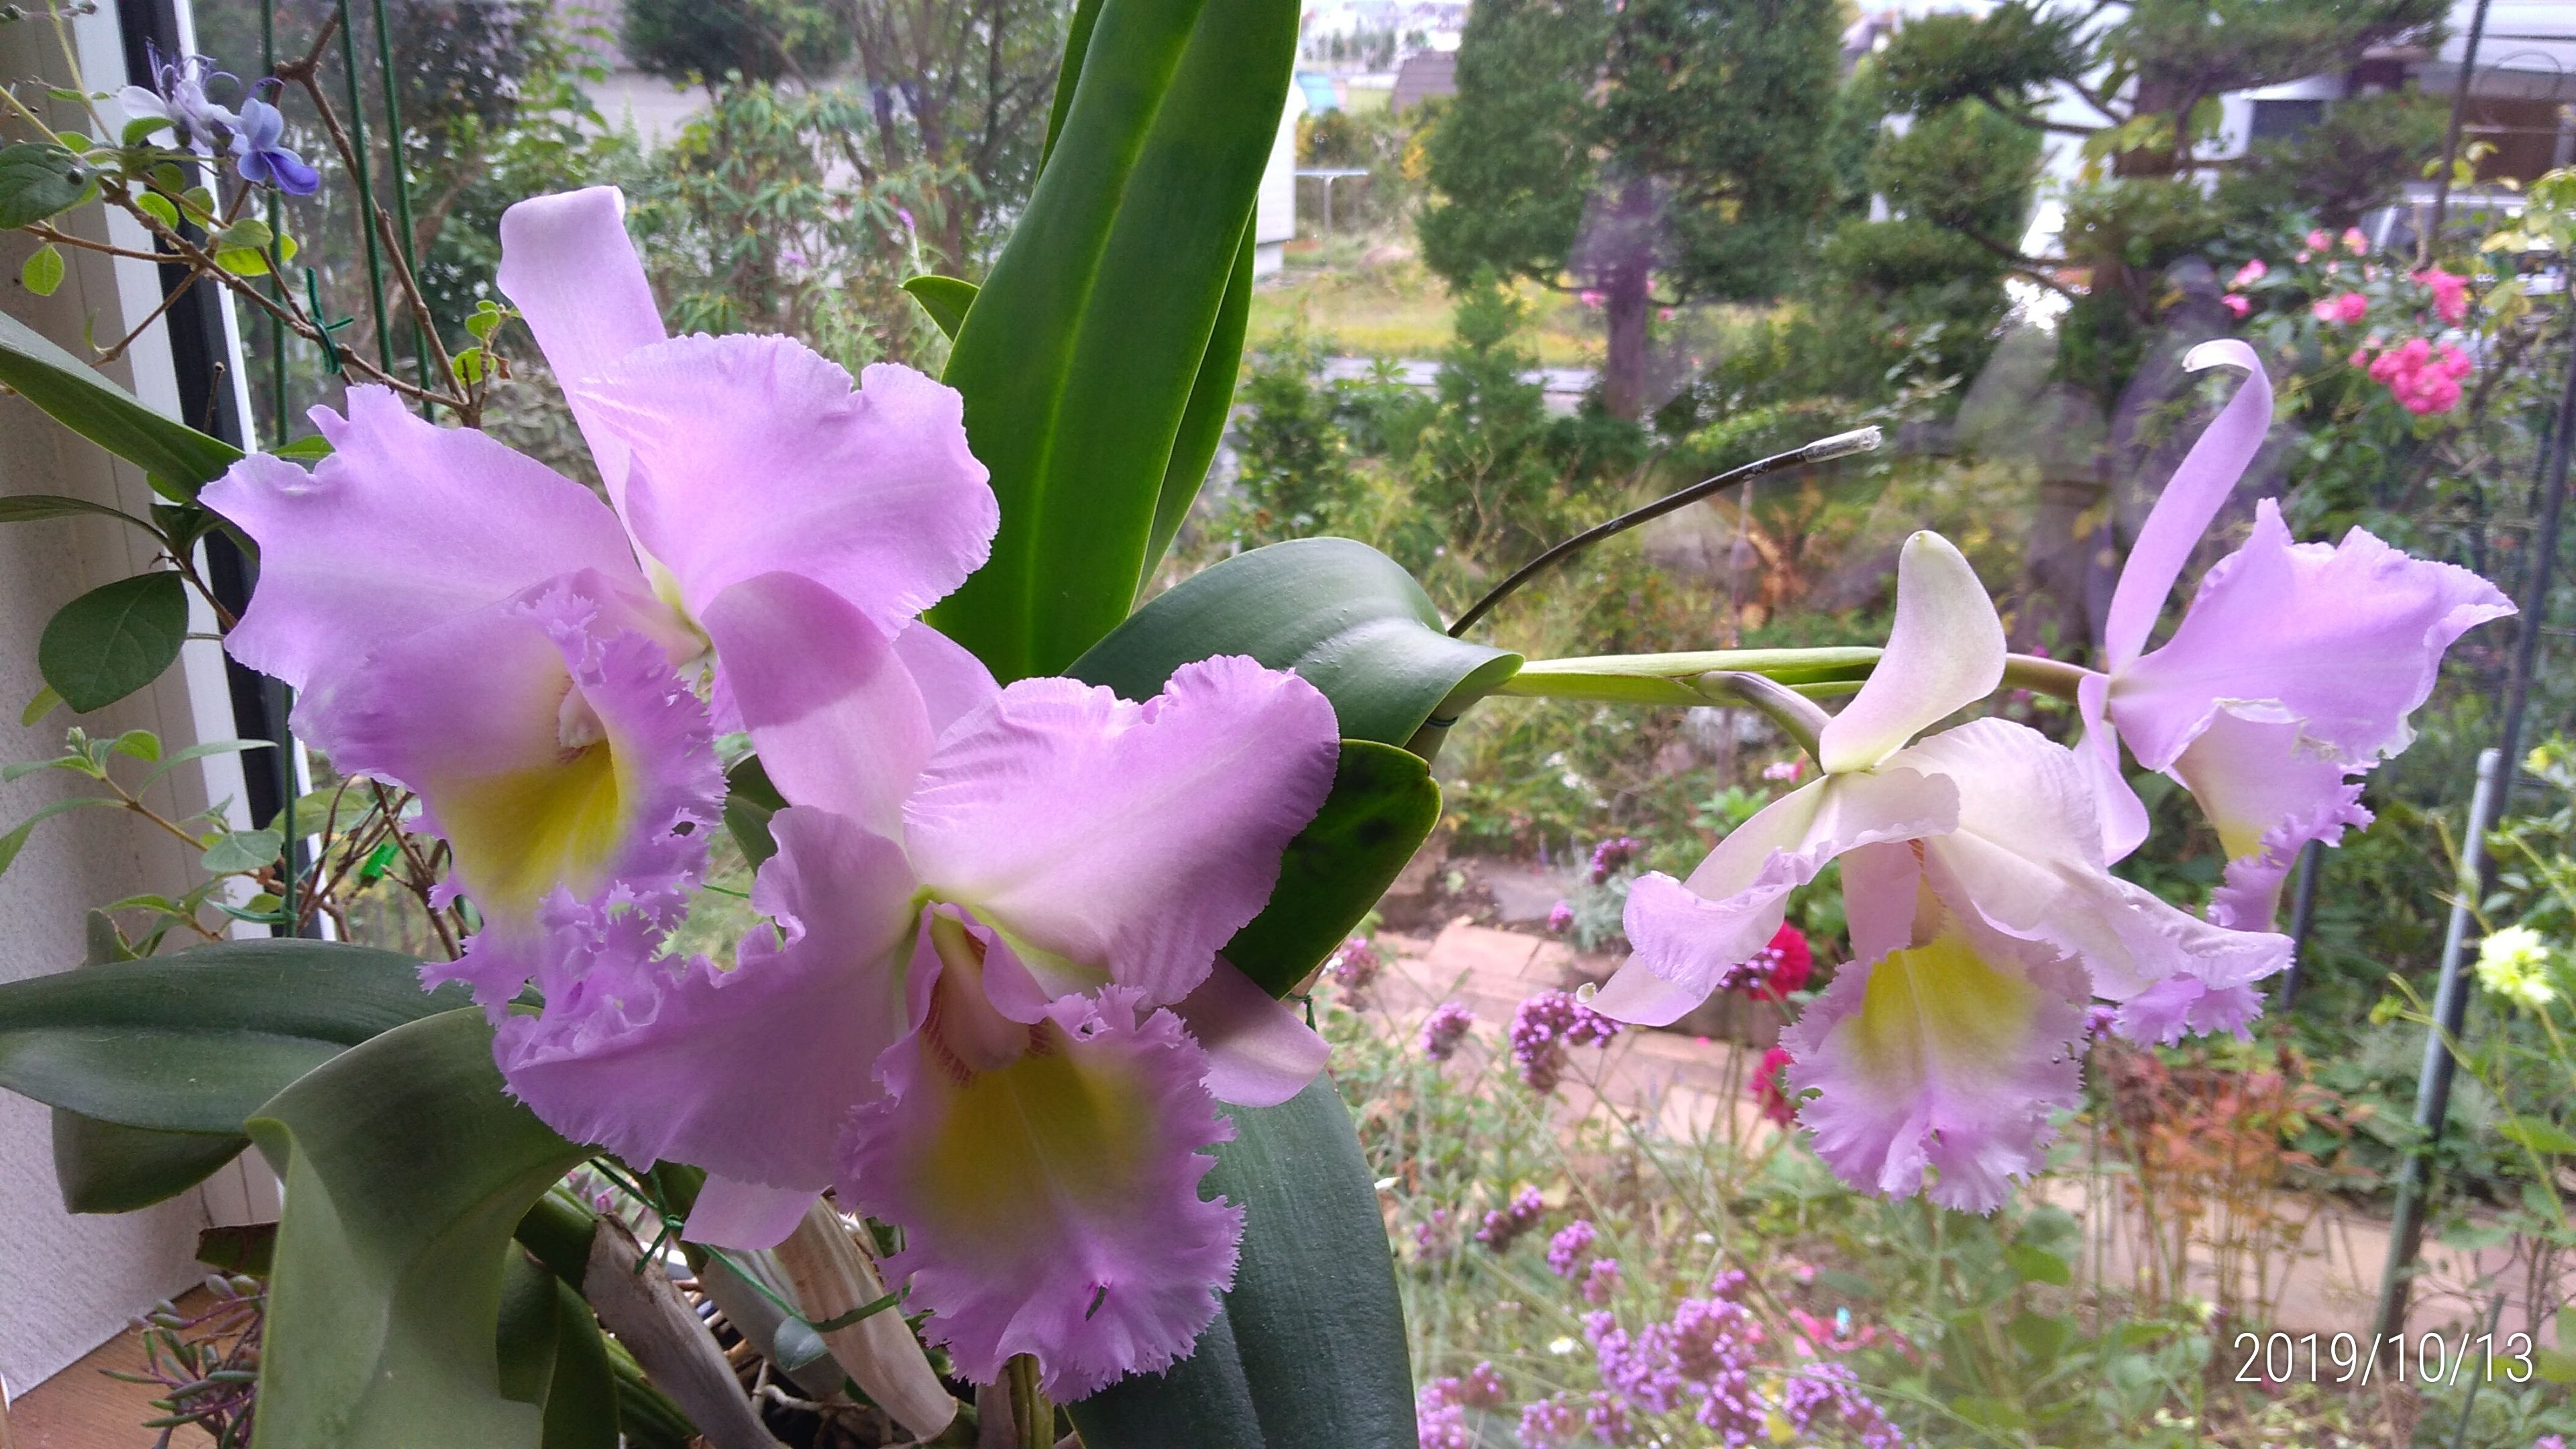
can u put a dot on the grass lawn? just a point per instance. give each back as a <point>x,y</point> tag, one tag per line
<point>1395,308</point>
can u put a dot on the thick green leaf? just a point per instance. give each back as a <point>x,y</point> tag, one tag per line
<point>1383,805</point>
<point>1340,613</point>
<point>114,640</point>
<point>197,1041</point>
<point>946,299</point>
<point>1085,344</point>
<point>749,802</point>
<point>1310,1347</point>
<point>1203,420</point>
<point>406,1166</point>
<point>1068,73</point>
<point>38,180</point>
<point>552,1357</point>
<point>179,459</point>
<point>107,1168</point>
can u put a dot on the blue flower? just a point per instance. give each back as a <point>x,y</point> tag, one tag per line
<point>260,159</point>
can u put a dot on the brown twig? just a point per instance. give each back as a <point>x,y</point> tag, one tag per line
<point>305,73</point>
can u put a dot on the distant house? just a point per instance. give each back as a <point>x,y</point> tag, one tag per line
<point>1422,75</point>
<point>1274,213</point>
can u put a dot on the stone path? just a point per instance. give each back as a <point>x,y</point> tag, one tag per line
<point>2324,1278</point>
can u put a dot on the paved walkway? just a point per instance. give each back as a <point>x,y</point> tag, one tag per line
<point>2321,1276</point>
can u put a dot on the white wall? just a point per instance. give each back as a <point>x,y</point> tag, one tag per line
<point>67,1283</point>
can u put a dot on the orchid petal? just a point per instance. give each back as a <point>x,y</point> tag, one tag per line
<point>1118,841</point>
<point>405,525</point>
<point>2346,641</point>
<point>836,716</point>
<point>2267,794</point>
<point>571,270</point>
<point>2180,1005</point>
<point>1882,885</point>
<point>1692,937</point>
<point>1949,1056</point>
<point>752,454</point>
<point>2028,853</point>
<point>1945,653</point>
<point>2191,499</point>
<point>745,1216</point>
<point>552,744</point>
<point>2124,815</point>
<point>1050,1203</point>
<point>954,683</point>
<point>1260,1051</point>
<point>751,1072</point>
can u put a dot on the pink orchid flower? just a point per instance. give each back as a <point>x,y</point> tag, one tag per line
<point>467,623</point>
<point>2290,676</point>
<point>1983,917</point>
<point>991,1009</point>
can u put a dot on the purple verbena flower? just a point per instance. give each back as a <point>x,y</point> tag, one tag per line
<point>1550,1422</point>
<point>1544,1026</point>
<point>1565,1251</point>
<point>1560,917</point>
<point>1444,1029</point>
<point>1355,964</point>
<point>1613,855</point>
<point>1503,1226</point>
<point>1601,1281</point>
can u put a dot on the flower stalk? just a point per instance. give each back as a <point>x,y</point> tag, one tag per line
<point>833,1277</point>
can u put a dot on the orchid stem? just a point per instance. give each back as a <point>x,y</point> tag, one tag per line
<point>1795,714</point>
<point>1032,1417</point>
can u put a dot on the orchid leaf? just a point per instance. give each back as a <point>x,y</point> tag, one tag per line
<point>406,1166</point>
<point>1346,617</point>
<point>178,458</point>
<point>1309,1348</point>
<point>1383,806</point>
<point>1087,341</point>
<point>1203,420</point>
<point>107,1168</point>
<point>946,299</point>
<point>198,1040</point>
<point>552,1357</point>
<point>114,640</point>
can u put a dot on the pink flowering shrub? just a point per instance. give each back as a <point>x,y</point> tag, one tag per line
<point>2423,376</point>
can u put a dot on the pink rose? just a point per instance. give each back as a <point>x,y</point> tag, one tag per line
<point>2354,242</point>
<point>2450,293</point>
<point>2345,308</point>
<point>2238,303</point>
<point>2250,273</point>
<point>2319,240</point>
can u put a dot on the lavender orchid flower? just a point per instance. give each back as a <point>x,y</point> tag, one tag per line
<point>463,621</point>
<point>1983,916</point>
<point>991,1008</point>
<point>2290,676</point>
<point>258,156</point>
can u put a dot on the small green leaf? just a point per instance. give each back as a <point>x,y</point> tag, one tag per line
<point>43,272</point>
<point>248,1248</point>
<point>197,1040</point>
<point>160,208</point>
<point>137,745</point>
<point>114,640</point>
<point>946,299</point>
<point>241,851</point>
<point>468,362</point>
<point>39,179</point>
<point>29,507</point>
<point>406,1166</point>
<point>2036,1265</point>
<point>250,232</point>
<point>45,703</point>
<point>199,752</point>
<point>2041,1335</point>
<point>16,839</point>
<point>312,449</point>
<point>242,261</point>
<point>107,1168</point>
<point>2539,1134</point>
<point>140,130</point>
